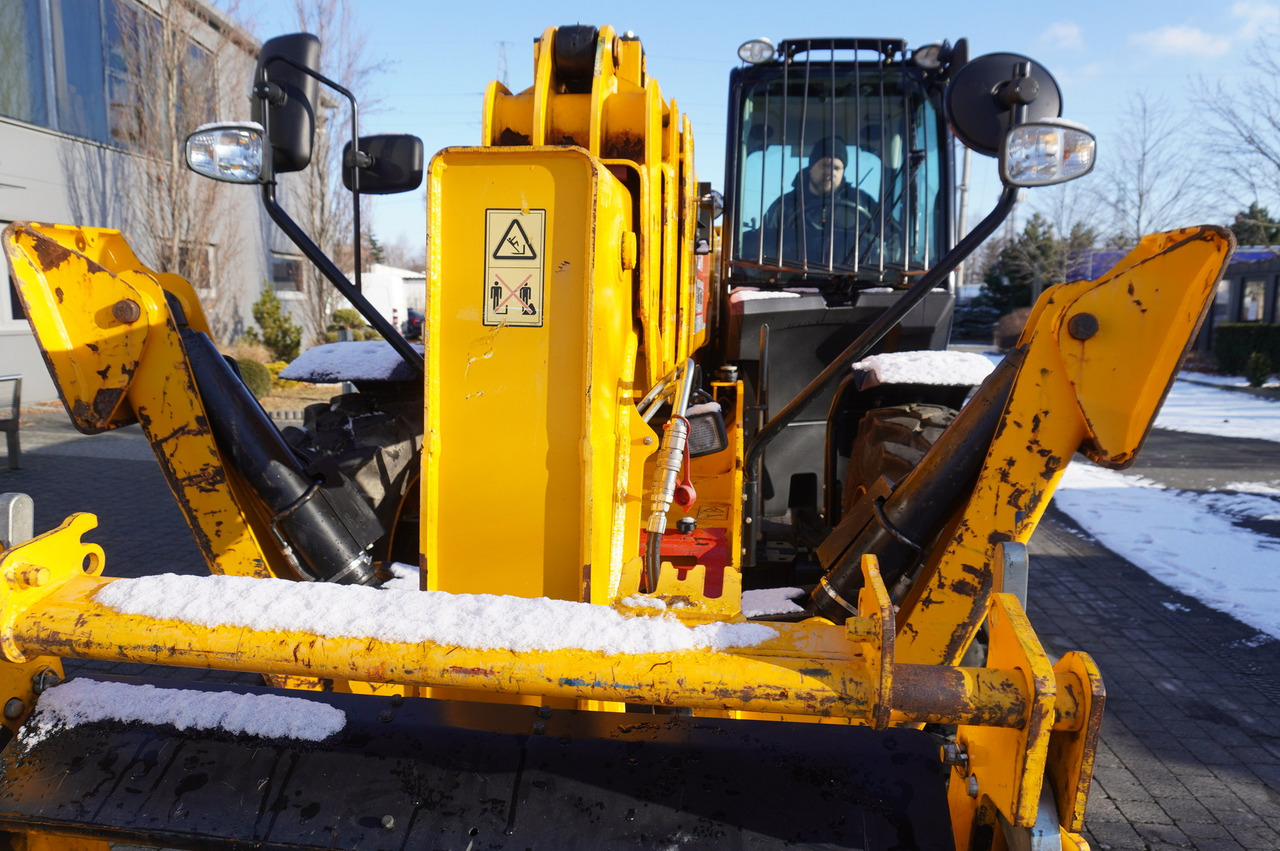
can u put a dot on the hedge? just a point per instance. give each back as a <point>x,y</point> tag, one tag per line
<point>1233,343</point>
<point>256,377</point>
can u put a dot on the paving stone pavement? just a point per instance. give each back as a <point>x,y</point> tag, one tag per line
<point>1190,751</point>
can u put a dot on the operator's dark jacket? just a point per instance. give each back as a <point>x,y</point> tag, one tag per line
<point>805,234</point>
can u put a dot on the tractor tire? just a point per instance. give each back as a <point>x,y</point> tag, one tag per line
<point>890,442</point>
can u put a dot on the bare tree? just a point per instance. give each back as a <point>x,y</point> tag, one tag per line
<point>1240,123</point>
<point>161,86</point>
<point>402,253</point>
<point>1154,180</point>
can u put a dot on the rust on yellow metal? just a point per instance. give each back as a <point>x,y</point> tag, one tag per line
<point>102,320</point>
<point>1099,358</point>
<point>1072,751</point>
<point>1004,764</point>
<point>812,668</point>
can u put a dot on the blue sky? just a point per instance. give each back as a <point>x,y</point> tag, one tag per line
<point>441,56</point>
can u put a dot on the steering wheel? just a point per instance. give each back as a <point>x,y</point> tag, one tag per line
<point>872,232</point>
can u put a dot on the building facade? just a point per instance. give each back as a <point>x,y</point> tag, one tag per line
<point>97,98</point>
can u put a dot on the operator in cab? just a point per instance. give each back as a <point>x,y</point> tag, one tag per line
<point>820,219</point>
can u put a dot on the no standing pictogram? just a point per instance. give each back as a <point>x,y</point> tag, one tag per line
<point>514,267</point>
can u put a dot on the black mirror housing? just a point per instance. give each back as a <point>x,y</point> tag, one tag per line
<point>396,164</point>
<point>285,97</point>
<point>979,102</point>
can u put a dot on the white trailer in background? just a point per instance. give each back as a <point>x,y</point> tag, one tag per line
<point>392,291</point>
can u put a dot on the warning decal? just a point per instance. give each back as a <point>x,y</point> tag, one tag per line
<point>514,244</point>
<point>514,273</point>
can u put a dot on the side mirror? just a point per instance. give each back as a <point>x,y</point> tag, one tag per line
<point>389,164</point>
<point>1046,152</point>
<point>227,152</point>
<point>984,99</point>
<point>285,96</point>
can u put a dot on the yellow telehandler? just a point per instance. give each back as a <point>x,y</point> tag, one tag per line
<point>628,626</point>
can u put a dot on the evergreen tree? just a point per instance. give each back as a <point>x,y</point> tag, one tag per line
<point>1255,226</point>
<point>280,333</point>
<point>1035,259</point>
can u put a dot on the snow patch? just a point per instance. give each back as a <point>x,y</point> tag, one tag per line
<point>1252,487</point>
<point>742,294</point>
<point>644,601</point>
<point>1198,409</point>
<point>1182,539</point>
<point>1253,641</point>
<point>268,716</point>
<point>703,408</point>
<point>478,621</point>
<point>771,601</point>
<point>359,360</point>
<point>940,368</point>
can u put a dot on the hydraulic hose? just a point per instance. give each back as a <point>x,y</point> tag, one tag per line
<point>666,472</point>
<point>899,529</point>
<point>323,526</point>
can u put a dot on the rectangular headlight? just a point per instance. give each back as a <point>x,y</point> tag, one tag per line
<point>1046,152</point>
<point>228,152</point>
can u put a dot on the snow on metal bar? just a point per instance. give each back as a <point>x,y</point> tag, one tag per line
<point>478,621</point>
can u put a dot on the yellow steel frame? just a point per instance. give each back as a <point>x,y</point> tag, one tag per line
<point>111,342</point>
<point>1100,357</point>
<point>534,455</point>
<point>812,668</point>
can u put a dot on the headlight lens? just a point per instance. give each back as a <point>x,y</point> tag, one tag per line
<point>230,152</point>
<point>1047,152</point>
<point>756,51</point>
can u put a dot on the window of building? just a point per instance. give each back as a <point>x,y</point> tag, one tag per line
<point>98,69</point>
<point>1253,300</point>
<point>11,311</point>
<point>1221,310</point>
<point>195,263</point>
<point>79,81</point>
<point>127,69</point>
<point>286,273</point>
<point>22,62</point>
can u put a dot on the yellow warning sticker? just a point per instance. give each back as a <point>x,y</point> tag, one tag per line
<point>514,267</point>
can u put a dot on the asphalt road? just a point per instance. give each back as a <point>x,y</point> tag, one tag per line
<point>1190,753</point>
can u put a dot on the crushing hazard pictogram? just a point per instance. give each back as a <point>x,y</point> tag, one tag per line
<point>514,244</point>
<point>513,267</point>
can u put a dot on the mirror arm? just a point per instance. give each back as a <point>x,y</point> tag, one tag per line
<point>872,335</point>
<point>299,237</point>
<point>355,146</point>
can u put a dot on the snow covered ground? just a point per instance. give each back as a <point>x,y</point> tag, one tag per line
<point>1192,541</point>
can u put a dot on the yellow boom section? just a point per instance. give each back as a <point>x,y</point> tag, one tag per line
<point>108,328</point>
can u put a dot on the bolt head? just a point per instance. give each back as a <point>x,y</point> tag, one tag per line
<point>44,680</point>
<point>126,310</point>
<point>14,707</point>
<point>1082,326</point>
